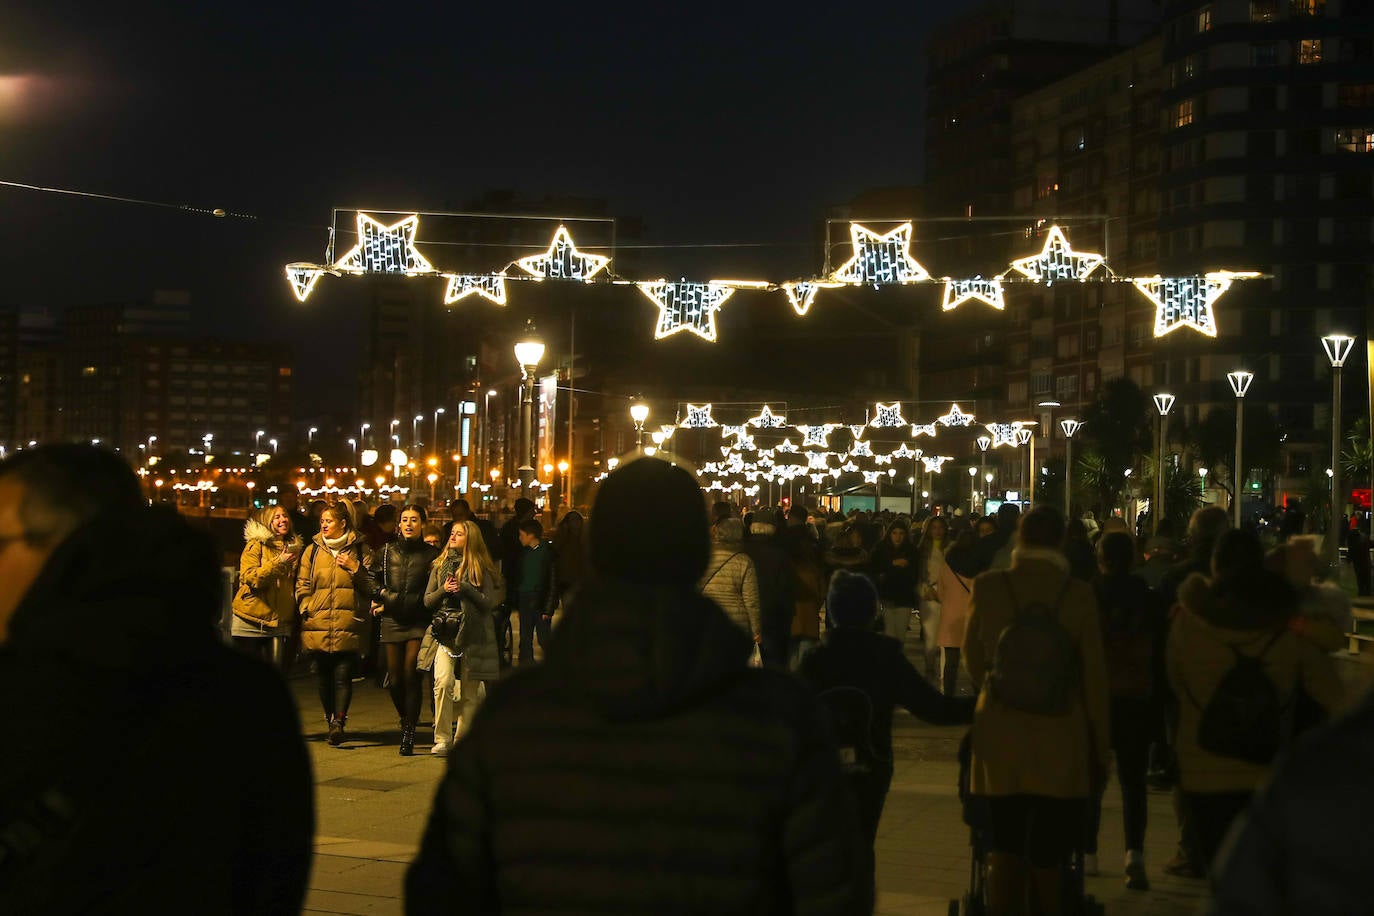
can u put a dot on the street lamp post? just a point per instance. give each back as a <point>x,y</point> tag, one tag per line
<point>1240,383</point>
<point>273,443</point>
<point>564,496</point>
<point>1163,403</point>
<point>987,487</point>
<point>639,412</point>
<point>357,456</point>
<point>257,443</point>
<point>529,350</point>
<point>362,434</point>
<point>310,436</point>
<point>983,443</point>
<point>972,490</point>
<point>415,432</point>
<point>1337,348</point>
<point>1069,427</point>
<point>1025,436</point>
<point>434,446</point>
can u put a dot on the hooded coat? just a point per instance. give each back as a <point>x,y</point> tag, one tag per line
<point>130,817</point>
<point>1215,619</point>
<point>266,594</point>
<point>643,768</point>
<point>400,572</point>
<point>334,604</point>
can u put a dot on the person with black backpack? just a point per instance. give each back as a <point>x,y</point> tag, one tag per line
<point>1040,739</point>
<point>1235,664</point>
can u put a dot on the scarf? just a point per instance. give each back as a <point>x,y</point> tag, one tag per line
<point>334,545</point>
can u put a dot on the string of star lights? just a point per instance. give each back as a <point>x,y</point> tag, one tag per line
<point>878,259</point>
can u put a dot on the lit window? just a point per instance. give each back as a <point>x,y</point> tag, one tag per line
<point>1183,113</point>
<point>1204,19</point>
<point>88,371</point>
<point>1355,139</point>
<point>1264,10</point>
<point>1308,7</point>
<point>1310,51</point>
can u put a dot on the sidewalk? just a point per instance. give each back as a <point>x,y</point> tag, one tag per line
<point>372,804</point>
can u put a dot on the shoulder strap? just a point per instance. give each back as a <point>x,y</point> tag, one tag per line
<point>711,578</point>
<point>960,579</point>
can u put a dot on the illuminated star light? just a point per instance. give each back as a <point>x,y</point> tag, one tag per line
<point>881,258</point>
<point>903,452</point>
<point>887,415</point>
<point>803,293</point>
<point>862,450</point>
<point>933,463</point>
<point>849,467</point>
<point>303,278</point>
<point>732,430</point>
<point>385,249</point>
<point>817,478</point>
<point>1057,261</point>
<point>787,446</point>
<point>744,442</point>
<point>858,431</point>
<point>882,459</point>
<point>818,461</point>
<point>957,292</point>
<point>872,476</point>
<point>1187,301</point>
<point>699,417</point>
<point>955,417</point>
<point>488,286</point>
<point>767,419</point>
<point>563,261</point>
<point>1003,434</point>
<point>922,429</point>
<point>816,435</point>
<point>686,307</point>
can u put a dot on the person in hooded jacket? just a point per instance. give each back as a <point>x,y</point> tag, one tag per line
<point>1244,609</point>
<point>264,604</point>
<point>644,767</point>
<point>108,613</point>
<point>400,573</point>
<point>333,588</point>
<point>896,570</point>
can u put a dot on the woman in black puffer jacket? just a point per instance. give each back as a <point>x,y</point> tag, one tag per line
<point>401,572</point>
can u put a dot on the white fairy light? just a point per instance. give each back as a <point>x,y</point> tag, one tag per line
<point>766,419</point>
<point>1057,260</point>
<point>858,431</point>
<point>1003,434</point>
<point>803,293</point>
<point>887,415</point>
<point>922,429</point>
<point>787,447</point>
<point>383,249</point>
<point>871,476</point>
<point>1188,301</point>
<point>488,286</point>
<point>686,307</point>
<point>849,467</point>
<point>882,459</point>
<point>817,478</point>
<point>728,431</point>
<point>955,417</point>
<point>816,435</point>
<point>957,292</point>
<point>699,417</point>
<point>562,261</point>
<point>934,463</point>
<point>818,461</point>
<point>862,450</point>
<point>881,258</point>
<point>902,451</point>
<point>303,278</point>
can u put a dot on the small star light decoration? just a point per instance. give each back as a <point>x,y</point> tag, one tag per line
<point>957,292</point>
<point>816,435</point>
<point>563,261</point>
<point>849,467</point>
<point>881,258</point>
<point>862,450</point>
<point>1057,261</point>
<point>303,278</point>
<point>1187,301</point>
<point>744,442</point>
<point>817,478</point>
<point>871,476</point>
<point>934,463</point>
<point>699,417</point>
<point>488,286</point>
<point>818,461</point>
<point>787,446</point>
<point>887,415</point>
<point>383,249</point>
<point>902,451</point>
<point>686,307</point>
<point>767,419</point>
<point>883,459</point>
<point>955,417</point>
<point>922,429</point>
<point>1003,434</point>
<point>802,294</point>
<point>728,431</point>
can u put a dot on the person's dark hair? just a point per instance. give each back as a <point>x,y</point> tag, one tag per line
<point>524,506</point>
<point>1007,514</point>
<point>1040,527</point>
<point>1205,529</point>
<point>459,509</point>
<point>343,512</point>
<point>317,506</point>
<point>1116,552</point>
<point>412,507</point>
<point>962,556</point>
<point>386,514</point>
<point>1237,555</point>
<point>797,512</point>
<point>852,600</point>
<point>532,527</point>
<point>66,485</point>
<point>721,510</point>
<point>642,495</point>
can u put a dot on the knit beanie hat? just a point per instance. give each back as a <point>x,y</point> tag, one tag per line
<point>852,600</point>
<point>648,525</point>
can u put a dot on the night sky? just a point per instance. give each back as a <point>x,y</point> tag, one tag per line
<point>711,123</point>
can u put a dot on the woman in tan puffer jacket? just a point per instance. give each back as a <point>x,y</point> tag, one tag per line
<point>730,579</point>
<point>265,601</point>
<point>332,587</point>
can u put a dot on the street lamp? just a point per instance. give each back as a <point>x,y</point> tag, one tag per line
<point>357,456</point>
<point>435,444</point>
<point>1163,403</point>
<point>1337,348</point>
<point>639,412</point>
<point>1240,383</point>
<point>1025,436</point>
<point>310,436</point>
<point>1069,427</point>
<point>362,432</point>
<point>257,443</point>
<point>415,432</point>
<point>529,350</point>
<point>972,490</point>
<point>987,486</point>
<point>273,443</point>
<point>563,466</point>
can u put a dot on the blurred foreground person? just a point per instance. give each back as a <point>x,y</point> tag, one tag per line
<point>644,767</point>
<point>107,630</point>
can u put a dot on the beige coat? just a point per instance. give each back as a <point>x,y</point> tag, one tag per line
<point>1199,655</point>
<point>731,582</point>
<point>1014,752</point>
<point>334,605</point>
<point>266,593</point>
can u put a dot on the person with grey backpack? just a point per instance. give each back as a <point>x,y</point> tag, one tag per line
<point>1040,740</point>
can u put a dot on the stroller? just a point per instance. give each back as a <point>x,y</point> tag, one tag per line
<point>977,816</point>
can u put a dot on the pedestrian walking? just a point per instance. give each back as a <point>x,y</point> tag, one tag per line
<point>570,556</point>
<point>264,604</point>
<point>536,594</point>
<point>777,588</point>
<point>930,560</point>
<point>954,591</point>
<point>332,589</point>
<point>730,580</point>
<point>585,784</point>
<point>897,572</point>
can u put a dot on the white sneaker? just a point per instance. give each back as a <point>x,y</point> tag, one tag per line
<point>1090,865</point>
<point>440,749</point>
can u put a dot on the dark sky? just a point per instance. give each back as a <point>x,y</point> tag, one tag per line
<point>714,123</point>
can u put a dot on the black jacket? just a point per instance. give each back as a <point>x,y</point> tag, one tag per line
<point>897,584</point>
<point>777,588</point>
<point>643,768</point>
<point>875,664</point>
<point>188,786</point>
<point>400,574</point>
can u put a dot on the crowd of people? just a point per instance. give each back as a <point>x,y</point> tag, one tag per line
<point>708,722</point>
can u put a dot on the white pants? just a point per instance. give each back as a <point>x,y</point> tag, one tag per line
<point>896,620</point>
<point>930,633</point>
<point>456,696</point>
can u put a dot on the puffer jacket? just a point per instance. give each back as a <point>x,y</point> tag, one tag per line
<point>334,604</point>
<point>1215,619</point>
<point>266,594</point>
<point>643,768</point>
<point>478,642</point>
<point>400,572</point>
<point>732,582</point>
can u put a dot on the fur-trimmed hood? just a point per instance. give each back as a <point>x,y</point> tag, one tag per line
<point>255,531</point>
<point>1257,601</point>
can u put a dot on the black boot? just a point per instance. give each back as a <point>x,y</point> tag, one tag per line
<point>336,731</point>
<point>407,738</point>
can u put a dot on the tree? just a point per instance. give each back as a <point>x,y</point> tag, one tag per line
<point>1116,432</point>
<point>1213,442</point>
<point>1357,460</point>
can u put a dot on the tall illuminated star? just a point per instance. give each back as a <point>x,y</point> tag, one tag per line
<point>488,286</point>
<point>902,451</point>
<point>767,419</point>
<point>816,435</point>
<point>699,417</point>
<point>861,450</point>
<point>303,278</point>
<point>1057,260</point>
<point>803,293</point>
<point>934,463</point>
<point>383,249</point>
<point>563,261</point>
<point>957,292</point>
<point>955,417</point>
<point>871,476</point>
<point>887,415</point>
<point>686,307</point>
<point>881,258</point>
<point>1003,434</point>
<point>1188,301</point>
<point>922,429</point>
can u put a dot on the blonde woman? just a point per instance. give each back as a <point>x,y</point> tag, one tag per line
<point>465,589</point>
<point>265,602</point>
